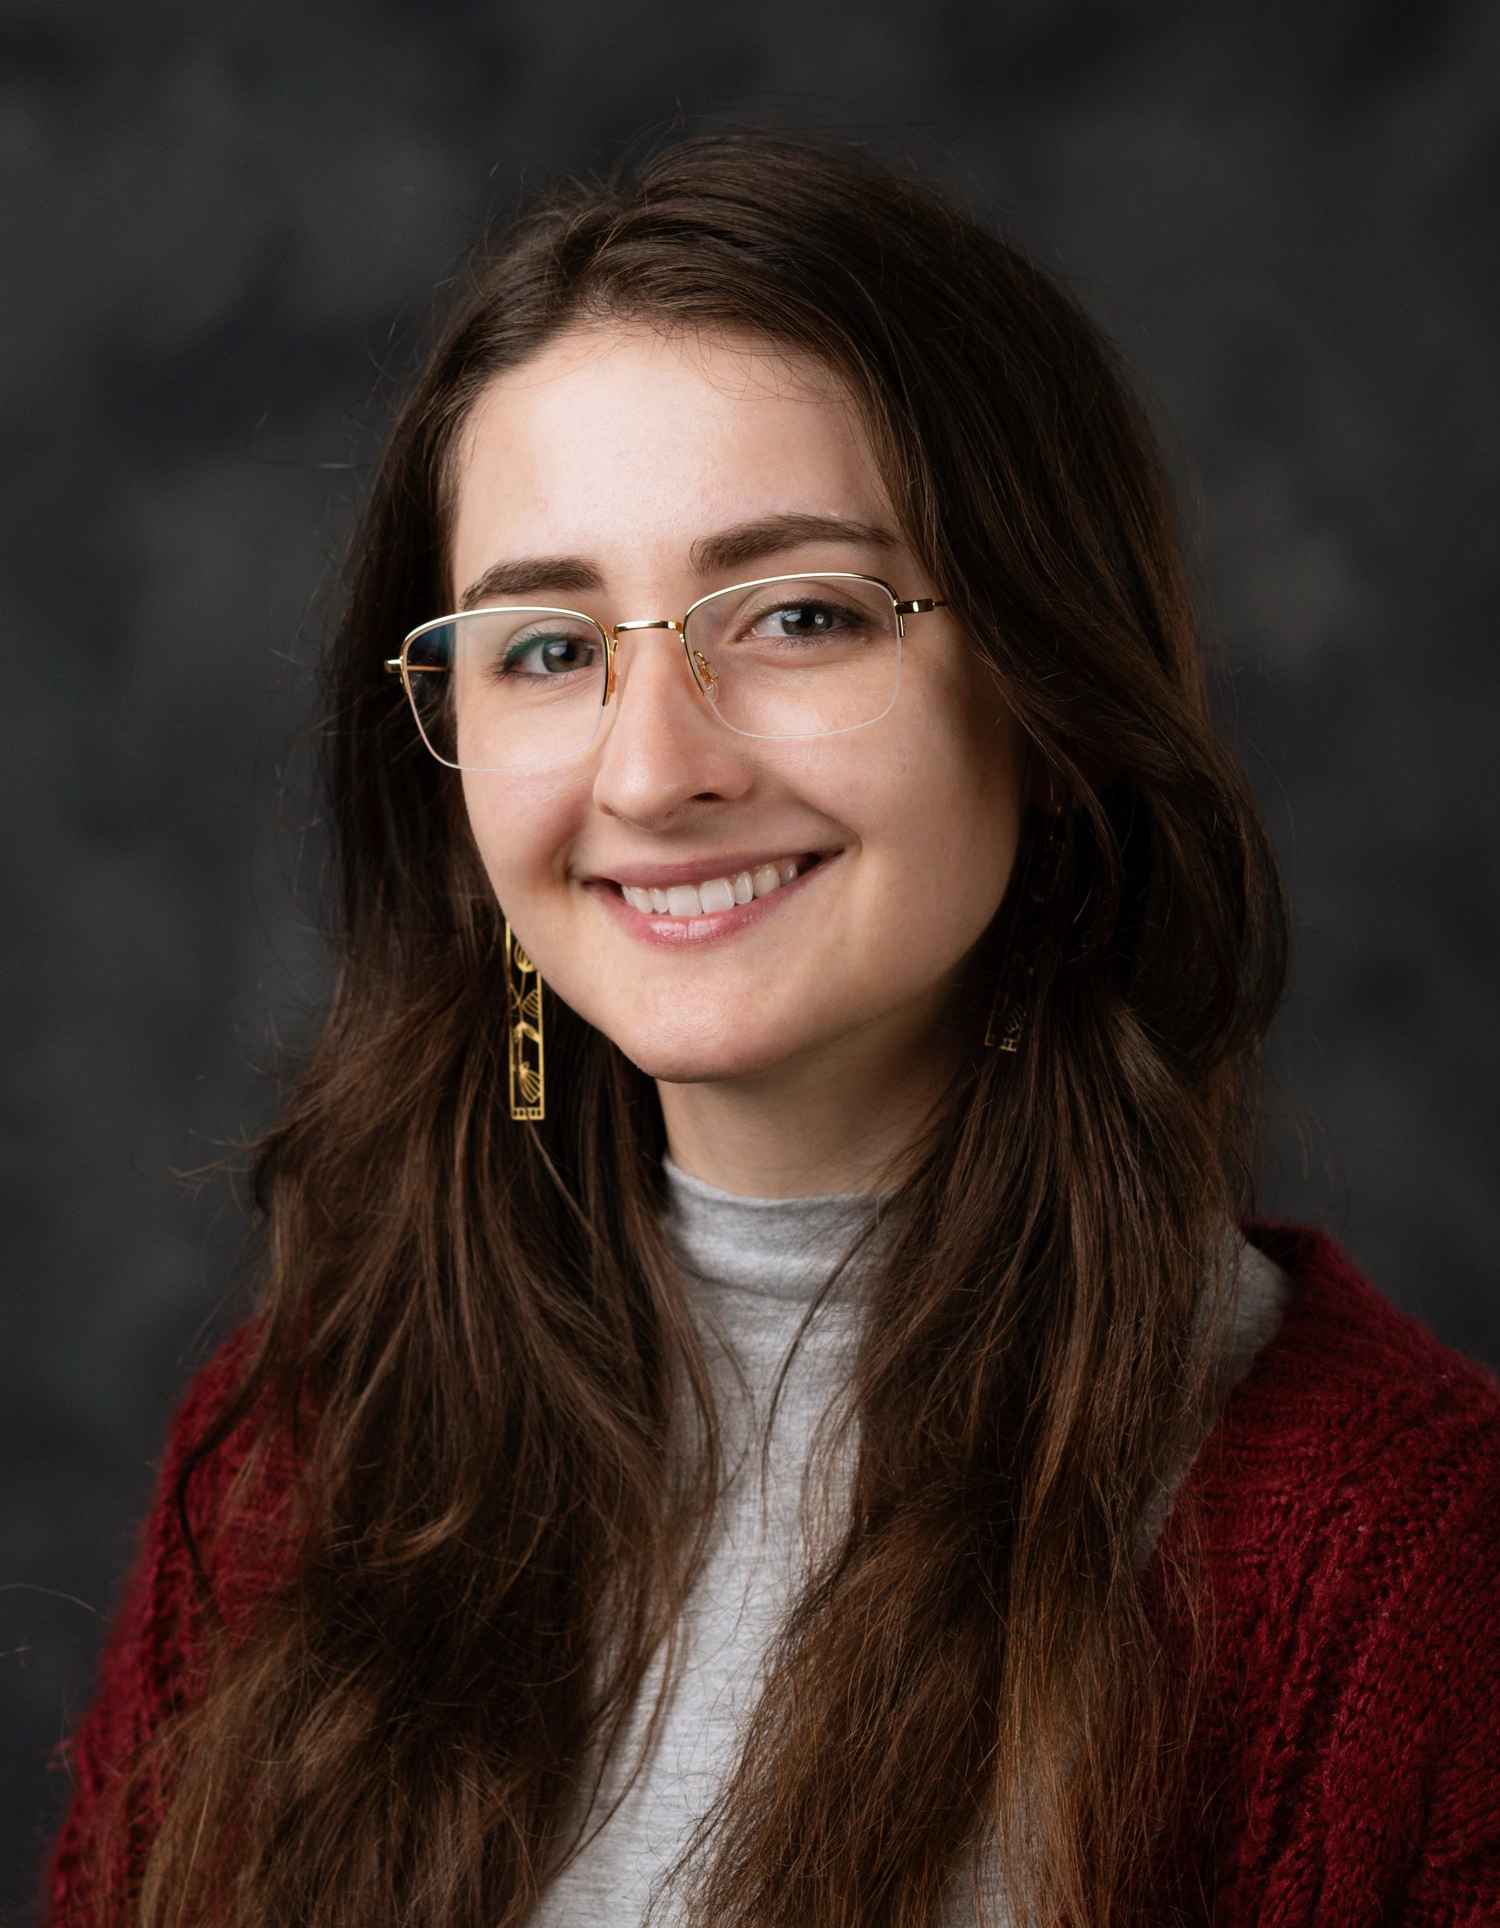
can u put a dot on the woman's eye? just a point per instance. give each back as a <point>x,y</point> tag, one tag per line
<point>805,621</point>
<point>549,655</point>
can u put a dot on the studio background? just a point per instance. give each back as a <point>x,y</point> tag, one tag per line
<point>219,233</point>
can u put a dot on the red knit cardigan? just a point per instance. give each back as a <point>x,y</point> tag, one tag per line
<point>1348,1768</point>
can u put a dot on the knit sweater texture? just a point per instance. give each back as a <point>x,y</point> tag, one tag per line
<point>1346,1770</point>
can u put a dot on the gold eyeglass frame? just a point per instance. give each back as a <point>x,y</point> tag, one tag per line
<point>699,667</point>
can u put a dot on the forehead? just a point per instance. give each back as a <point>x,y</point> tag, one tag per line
<point>614,437</point>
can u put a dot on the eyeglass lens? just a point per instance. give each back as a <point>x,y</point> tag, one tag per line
<point>511,689</point>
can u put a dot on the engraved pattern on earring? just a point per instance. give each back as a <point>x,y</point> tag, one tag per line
<point>528,1066</point>
<point>1008,1015</point>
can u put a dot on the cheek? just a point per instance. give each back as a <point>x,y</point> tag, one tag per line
<point>518,835</point>
<point>946,823</point>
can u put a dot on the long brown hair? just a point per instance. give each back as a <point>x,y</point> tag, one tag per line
<point>472,1329</point>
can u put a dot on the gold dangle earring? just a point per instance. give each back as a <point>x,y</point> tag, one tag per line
<point>1008,1014</point>
<point>1015,1000</point>
<point>528,1065</point>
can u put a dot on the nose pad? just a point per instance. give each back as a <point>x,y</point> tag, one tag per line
<point>625,629</point>
<point>705,675</point>
<point>702,678</point>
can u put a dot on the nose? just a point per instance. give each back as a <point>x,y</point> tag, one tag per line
<point>662,745</point>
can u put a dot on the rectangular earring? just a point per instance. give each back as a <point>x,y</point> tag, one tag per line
<point>528,1068</point>
<point>1008,1016</point>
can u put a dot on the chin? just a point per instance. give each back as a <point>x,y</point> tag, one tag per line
<point>698,1059</point>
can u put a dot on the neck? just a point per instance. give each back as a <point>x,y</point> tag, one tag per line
<point>844,1117</point>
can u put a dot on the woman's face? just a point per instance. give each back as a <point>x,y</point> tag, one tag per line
<point>625,474</point>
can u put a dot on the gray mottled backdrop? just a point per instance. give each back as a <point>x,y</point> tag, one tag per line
<point>217,225</point>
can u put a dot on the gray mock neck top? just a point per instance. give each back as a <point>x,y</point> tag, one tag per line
<point>755,1268</point>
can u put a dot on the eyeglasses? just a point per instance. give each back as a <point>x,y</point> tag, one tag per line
<point>785,656</point>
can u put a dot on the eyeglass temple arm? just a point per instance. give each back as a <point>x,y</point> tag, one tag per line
<point>919,605</point>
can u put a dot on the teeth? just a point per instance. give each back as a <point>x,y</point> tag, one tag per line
<point>717,894</point>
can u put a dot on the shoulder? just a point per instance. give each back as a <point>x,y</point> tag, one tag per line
<point>212,1435</point>
<point>1352,1404</point>
<point>240,1460</point>
<point>1348,1505</point>
<point>222,1535</point>
<point>215,1384</point>
<point>221,1507</point>
<point>1358,1451</point>
<point>216,1537</point>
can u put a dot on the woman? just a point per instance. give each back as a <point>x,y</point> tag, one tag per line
<point>760,1407</point>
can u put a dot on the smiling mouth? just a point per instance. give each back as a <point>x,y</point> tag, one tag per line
<point>716,894</point>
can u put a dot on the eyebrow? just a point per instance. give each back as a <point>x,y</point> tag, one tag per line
<point>768,535</point>
<point>732,548</point>
<point>527,574</point>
